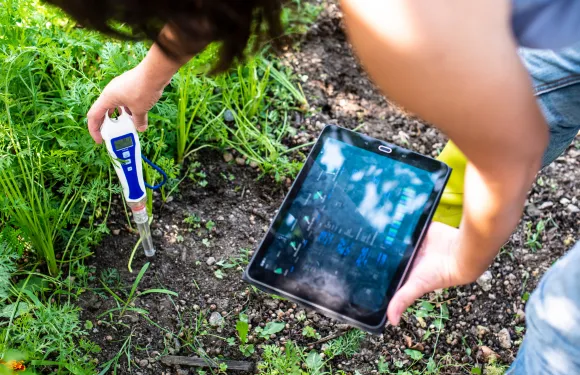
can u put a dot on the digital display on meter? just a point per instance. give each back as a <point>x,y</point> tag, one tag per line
<point>123,143</point>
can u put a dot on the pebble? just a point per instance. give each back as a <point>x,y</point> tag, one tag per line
<point>573,209</point>
<point>504,338</point>
<point>520,316</point>
<point>484,281</point>
<point>240,161</point>
<point>271,304</point>
<point>143,363</point>
<point>157,233</point>
<point>210,261</point>
<point>229,115</point>
<point>116,232</point>
<point>253,164</point>
<point>216,319</point>
<point>482,331</point>
<point>545,205</point>
<point>228,157</point>
<point>564,201</point>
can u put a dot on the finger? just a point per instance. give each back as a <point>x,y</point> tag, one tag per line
<point>412,290</point>
<point>96,116</point>
<point>140,121</point>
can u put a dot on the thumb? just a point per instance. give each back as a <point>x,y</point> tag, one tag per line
<point>412,290</point>
<point>140,121</point>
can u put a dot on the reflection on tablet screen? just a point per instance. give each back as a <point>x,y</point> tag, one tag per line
<point>350,224</point>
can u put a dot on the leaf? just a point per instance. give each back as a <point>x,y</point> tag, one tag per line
<point>438,324</point>
<point>88,325</point>
<point>476,371</point>
<point>219,274</point>
<point>8,310</point>
<point>414,354</point>
<point>444,311</point>
<point>431,366</point>
<point>206,242</point>
<point>247,349</point>
<point>421,314</point>
<point>243,327</point>
<point>526,296</point>
<point>314,361</point>
<point>272,328</point>
<point>427,306</point>
<point>159,291</point>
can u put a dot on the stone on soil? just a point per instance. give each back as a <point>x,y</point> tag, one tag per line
<point>484,281</point>
<point>216,319</point>
<point>210,261</point>
<point>504,338</point>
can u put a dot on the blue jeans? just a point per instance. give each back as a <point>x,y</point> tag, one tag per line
<point>552,342</point>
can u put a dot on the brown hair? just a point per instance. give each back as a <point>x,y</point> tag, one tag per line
<point>183,27</point>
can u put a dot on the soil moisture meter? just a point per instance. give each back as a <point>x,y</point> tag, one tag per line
<point>122,142</point>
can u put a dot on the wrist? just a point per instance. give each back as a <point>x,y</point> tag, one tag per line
<point>157,69</point>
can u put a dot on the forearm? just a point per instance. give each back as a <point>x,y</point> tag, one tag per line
<point>455,65</point>
<point>158,68</point>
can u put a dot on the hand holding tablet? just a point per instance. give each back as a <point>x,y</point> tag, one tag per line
<point>346,234</point>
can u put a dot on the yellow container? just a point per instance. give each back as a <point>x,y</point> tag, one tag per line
<point>450,207</point>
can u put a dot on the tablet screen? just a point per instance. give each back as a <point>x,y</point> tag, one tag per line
<point>349,226</point>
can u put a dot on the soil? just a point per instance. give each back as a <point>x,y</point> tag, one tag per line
<point>241,208</point>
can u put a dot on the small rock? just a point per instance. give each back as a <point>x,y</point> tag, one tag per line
<point>253,164</point>
<point>143,363</point>
<point>182,372</point>
<point>229,115</point>
<point>271,304</point>
<point>488,354</point>
<point>109,338</point>
<point>504,338</point>
<point>116,232</point>
<point>484,281</point>
<point>169,199</point>
<point>565,201</point>
<point>482,331</point>
<point>240,161</point>
<point>533,211</point>
<point>228,157</point>
<point>520,316</point>
<point>210,261</point>
<point>573,209</point>
<point>216,319</point>
<point>545,205</point>
<point>157,233</point>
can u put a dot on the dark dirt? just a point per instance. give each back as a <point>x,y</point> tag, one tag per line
<point>340,93</point>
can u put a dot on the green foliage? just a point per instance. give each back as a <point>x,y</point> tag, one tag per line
<point>8,253</point>
<point>124,304</point>
<point>243,327</point>
<point>295,360</point>
<point>310,332</point>
<point>271,328</point>
<point>51,336</point>
<point>534,234</point>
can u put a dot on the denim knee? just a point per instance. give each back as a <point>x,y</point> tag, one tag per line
<point>556,80</point>
<point>553,320</point>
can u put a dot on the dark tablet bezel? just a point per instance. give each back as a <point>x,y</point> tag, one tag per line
<point>315,298</point>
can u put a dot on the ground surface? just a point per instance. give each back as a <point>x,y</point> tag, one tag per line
<point>241,208</point>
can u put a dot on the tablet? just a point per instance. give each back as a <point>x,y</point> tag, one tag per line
<point>347,231</point>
